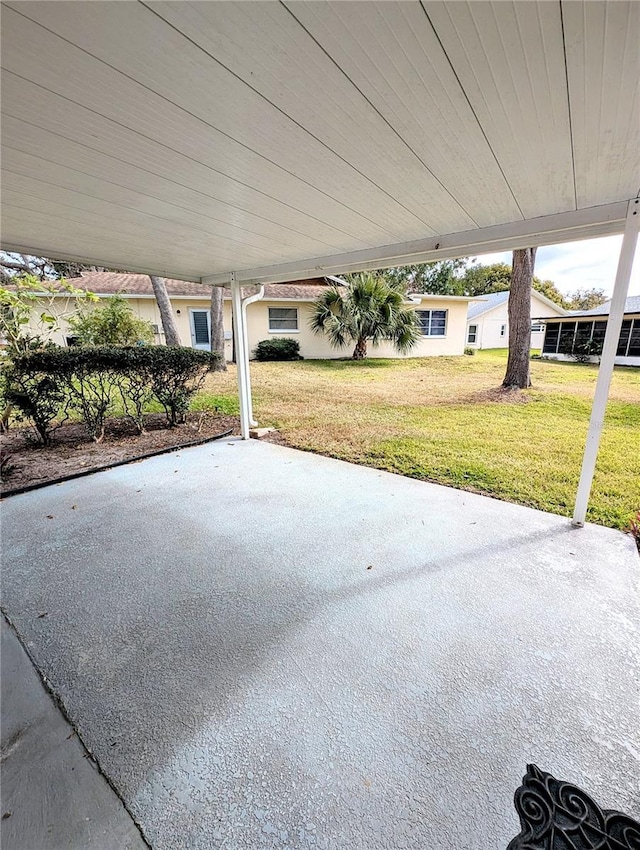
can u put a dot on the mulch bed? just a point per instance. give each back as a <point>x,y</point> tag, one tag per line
<point>73,454</point>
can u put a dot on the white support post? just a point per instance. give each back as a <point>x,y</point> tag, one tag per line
<point>245,303</point>
<point>242,360</point>
<point>607,360</point>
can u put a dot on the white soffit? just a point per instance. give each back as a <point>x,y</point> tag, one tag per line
<point>193,139</point>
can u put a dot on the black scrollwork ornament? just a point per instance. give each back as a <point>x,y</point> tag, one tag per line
<point>555,815</point>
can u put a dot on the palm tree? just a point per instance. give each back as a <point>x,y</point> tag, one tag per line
<point>369,310</point>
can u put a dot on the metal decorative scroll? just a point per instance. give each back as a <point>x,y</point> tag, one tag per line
<point>558,816</point>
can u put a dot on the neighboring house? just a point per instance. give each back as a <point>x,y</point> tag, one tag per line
<point>284,310</point>
<point>488,321</point>
<point>586,325</point>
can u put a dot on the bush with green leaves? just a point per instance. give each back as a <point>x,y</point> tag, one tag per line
<point>584,350</point>
<point>114,323</point>
<point>470,351</point>
<point>38,392</point>
<point>47,383</point>
<point>278,348</point>
<point>176,376</point>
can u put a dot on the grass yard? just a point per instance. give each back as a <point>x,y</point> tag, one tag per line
<point>441,419</point>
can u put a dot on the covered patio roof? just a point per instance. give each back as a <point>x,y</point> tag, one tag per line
<point>275,141</point>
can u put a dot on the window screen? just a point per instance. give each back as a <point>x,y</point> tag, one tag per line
<point>283,318</point>
<point>623,341</point>
<point>551,337</point>
<point>599,330</point>
<point>432,322</point>
<point>634,340</point>
<point>567,331</point>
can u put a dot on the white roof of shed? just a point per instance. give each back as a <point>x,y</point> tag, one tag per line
<point>287,140</point>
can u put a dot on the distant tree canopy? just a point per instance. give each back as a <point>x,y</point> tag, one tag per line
<point>43,268</point>
<point>457,277</point>
<point>586,299</point>
<point>440,278</point>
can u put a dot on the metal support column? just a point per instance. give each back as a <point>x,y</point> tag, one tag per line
<point>245,303</point>
<point>614,324</point>
<point>242,360</point>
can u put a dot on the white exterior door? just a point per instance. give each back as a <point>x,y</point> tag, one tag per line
<point>200,330</point>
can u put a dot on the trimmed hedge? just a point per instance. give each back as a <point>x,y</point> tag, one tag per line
<point>279,348</point>
<point>45,384</point>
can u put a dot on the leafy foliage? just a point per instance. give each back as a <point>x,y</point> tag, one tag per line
<point>586,299</point>
<point>370,310</point>
<point>584,350</point>
<point>13,263</point>
<point>278,348</point>
<point>176,376</point>
<point>38,394</point>
<point>31,310</point>
<point>484,280</point>
<point>443,277</point>
<point>115,323</point>
<point>46,383</point>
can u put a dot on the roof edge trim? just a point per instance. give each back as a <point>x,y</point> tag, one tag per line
<point>572,226</point>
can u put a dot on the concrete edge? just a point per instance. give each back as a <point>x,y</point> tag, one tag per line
<point>57,701</point>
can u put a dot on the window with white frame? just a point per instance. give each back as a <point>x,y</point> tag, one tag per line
<point>536,327</point>
<point>432,322</point>
<point>503,330</point>
<point>283,318</point>
<point>472,334</point>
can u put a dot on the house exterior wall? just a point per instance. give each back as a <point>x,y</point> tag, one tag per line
<point>490,323</point>
<point>312,346</point>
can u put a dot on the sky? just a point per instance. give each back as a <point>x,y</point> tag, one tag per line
<point>578,265</point>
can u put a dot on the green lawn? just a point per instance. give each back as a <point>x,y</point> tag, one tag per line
<point>441,419</point>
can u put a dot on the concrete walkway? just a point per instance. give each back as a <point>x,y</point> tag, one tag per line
<point>52,793</point>
<point>270,649</point>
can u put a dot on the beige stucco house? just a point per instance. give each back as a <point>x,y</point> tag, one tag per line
<point>284,310</point>
<point>488,320</point>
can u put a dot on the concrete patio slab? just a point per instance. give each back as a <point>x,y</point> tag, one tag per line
<point>271,649</point>
<point>52,793</point>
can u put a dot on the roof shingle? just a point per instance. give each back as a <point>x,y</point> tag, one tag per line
<point>114,283</point>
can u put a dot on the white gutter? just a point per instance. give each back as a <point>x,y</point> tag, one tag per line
<point>244,304</point>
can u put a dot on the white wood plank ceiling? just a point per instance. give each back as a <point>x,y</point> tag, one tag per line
<point>193,139</point>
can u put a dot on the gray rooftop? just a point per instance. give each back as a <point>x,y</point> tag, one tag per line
<point>477,308</point>
<point>632,305</point>
<point>266,648</point>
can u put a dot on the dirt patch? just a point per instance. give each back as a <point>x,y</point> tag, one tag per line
<point>72,453</point>
<point>496,394</point>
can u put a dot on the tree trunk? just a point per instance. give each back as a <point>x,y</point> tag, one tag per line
<point>518,370</point>
<point>360,351</point>
<point>171,335</point>
<point>217,327</point>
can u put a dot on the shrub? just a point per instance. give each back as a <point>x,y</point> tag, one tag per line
<point>38,391</point>
<point>584,351</point>
<point>470,351</point>
<point>634,529</point>
<point>91,382</point>
<point>279,348</point>
<point>176,376</point>
<point>46,382</point>
<point>113,324</point>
